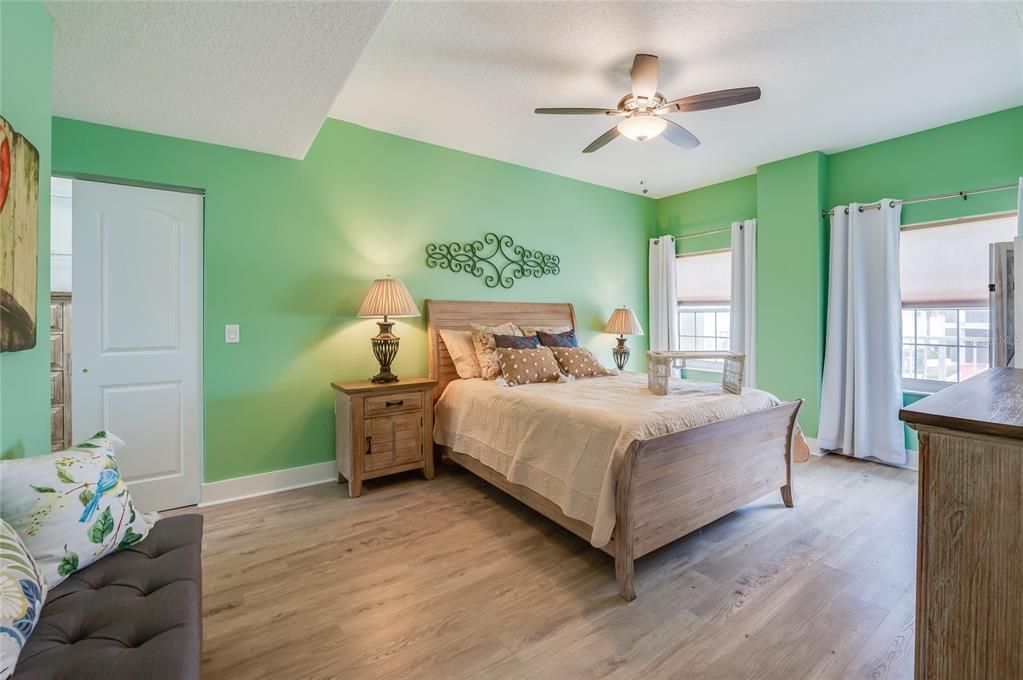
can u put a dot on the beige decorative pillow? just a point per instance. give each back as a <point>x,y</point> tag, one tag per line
<point>578,362</point>
<point>483,342</point>
<point>553,330</point>
<point>524,366</point>
<point>460,347</point>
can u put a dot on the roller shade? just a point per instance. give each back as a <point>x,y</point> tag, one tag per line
<point>947,265</point>
<point>705,278</point>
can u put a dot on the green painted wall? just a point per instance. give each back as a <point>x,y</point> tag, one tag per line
<point>26,46</point>
<point>790,310</point>
<point>970,154</point>
<point>291,247</point>
<point>706,209</point>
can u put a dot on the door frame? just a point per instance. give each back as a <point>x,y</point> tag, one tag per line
<point>202,294</point>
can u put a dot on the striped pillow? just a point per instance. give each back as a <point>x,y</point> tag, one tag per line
<point>566,339</point>
<point>516,341</point>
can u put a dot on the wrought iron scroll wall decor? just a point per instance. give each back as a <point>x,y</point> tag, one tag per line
<point>495,259</point>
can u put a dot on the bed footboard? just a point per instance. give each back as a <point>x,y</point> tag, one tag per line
<point>675,484</point>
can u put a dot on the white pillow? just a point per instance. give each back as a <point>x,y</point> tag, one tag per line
<point>460,347</point>
<point>71,507</point>
<point>22,592</point>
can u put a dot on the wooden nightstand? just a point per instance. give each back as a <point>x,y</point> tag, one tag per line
<point>382,429</point>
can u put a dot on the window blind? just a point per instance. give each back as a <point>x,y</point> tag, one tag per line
<point>705,278</point>
<point>947,265</point>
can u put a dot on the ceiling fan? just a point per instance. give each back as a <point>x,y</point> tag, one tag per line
<point>641,111</point>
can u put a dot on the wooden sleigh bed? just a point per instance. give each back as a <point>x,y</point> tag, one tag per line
<point>667,486</point>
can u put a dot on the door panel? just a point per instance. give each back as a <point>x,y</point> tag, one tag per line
<point>137,373</point>
<point>140,245</point>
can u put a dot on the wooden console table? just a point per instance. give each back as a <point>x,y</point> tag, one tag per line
<point>969,596</point>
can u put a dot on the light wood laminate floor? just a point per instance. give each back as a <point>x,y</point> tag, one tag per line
<point>451,579</point>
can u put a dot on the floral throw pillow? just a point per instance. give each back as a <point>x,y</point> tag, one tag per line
<point>22,591</point>
<point>71,507</point>
<point>525,366</point>
<point>566,339</point>
<point>579,362</point>
<point>486,347</point>
<point>516,341</point>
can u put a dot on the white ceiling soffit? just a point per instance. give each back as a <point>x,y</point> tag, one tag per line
<point>254,75</point>
<point>835,75</point>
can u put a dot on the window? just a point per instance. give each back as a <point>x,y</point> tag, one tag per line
<point>704,304</point>
<point>944,344</point>
<point>944,272</point>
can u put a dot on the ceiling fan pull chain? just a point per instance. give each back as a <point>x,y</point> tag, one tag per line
<point>642,167</point>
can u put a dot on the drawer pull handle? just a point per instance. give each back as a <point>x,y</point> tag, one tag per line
<point>389,404</point>
<point>369,444</point>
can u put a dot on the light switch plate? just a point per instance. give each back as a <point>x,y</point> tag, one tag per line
<point>232,333</point>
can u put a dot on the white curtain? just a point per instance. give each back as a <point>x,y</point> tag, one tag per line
<point>663,295</point>
<point>862,390</point>
<point>1017,299</point>
<point>743,329</point>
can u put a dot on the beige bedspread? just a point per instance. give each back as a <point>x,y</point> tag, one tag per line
<point>565,440</point>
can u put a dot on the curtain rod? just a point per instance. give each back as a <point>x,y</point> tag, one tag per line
<point>700,233</point>
<point>937,197</point>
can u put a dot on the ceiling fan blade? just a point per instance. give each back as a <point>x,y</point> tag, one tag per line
<point>679,136</point>
<point>712,100</point>
<point>600,141</point>
<point>580,112</point>
<point>644,74</point>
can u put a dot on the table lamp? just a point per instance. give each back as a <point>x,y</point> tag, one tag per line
<point>387,297</point>
<point>623,322</point>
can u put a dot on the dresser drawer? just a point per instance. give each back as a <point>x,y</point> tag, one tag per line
<point>393,403</point>
<point>393,440</point>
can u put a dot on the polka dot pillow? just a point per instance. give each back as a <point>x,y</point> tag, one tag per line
<point>525,366</point>
<point>578,362</point>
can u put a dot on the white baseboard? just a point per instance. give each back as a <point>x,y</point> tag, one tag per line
<point>912,457</point>
<point>251,486</point>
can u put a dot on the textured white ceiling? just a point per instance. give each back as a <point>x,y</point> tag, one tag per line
<point>255,75</point>
<point>467,75</point>
<point>834,76</point>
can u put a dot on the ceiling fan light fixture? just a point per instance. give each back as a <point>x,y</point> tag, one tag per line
<point>641,127</point>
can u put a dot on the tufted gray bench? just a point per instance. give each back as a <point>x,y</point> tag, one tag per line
<point>133,615</point>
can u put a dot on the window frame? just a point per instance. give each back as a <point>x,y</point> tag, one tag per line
<point>927,385</point>
<point>924,385</point>
<point>706,365</point>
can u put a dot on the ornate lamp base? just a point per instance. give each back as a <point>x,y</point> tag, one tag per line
<point>385,348</point>
<point>620,353</point>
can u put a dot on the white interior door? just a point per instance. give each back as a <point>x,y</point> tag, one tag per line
<point>136,286</point>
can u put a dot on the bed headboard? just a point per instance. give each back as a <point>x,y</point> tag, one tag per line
<point>457,315</point>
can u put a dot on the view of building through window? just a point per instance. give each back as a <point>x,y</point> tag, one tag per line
<point>947,345</point>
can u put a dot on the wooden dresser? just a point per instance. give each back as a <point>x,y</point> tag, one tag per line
<point>969,597</point>
<point>383,429</point>
<point>60,371</point>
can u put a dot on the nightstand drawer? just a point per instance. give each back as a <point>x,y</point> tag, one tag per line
<point>393,403</point>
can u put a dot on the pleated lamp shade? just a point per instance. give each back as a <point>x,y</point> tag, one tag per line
<point>623,322</point>
<point>388,297</point>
